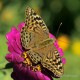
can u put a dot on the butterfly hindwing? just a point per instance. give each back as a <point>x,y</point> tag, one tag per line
<point>50,57</point>
<point>34,56</point>
<point>52,61</point>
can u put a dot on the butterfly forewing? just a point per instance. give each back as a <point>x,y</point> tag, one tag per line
<point>35,37</point>
<point>33,18</point>
<point>34,31</point>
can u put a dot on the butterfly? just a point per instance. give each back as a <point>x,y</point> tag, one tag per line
<point>35,39</point>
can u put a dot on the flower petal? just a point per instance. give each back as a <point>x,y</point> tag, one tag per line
<point>14,30</point>
<point>33,75</point>
<point>15,46</point>
<point>42,76</point>
<point>21,25</point>
<point>9,57</point>
<point>11,35</point>
<point>55,44</point>
<point>61,52</point>
<point>15,58</point>
<point>63,60</point>
<point>10,48</point>
<point>51,36</point>
<point>46,77</point>
<point>18,42</point>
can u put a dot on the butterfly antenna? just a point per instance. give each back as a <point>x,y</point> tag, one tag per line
<point>58,29</point>
<point>58,32</point>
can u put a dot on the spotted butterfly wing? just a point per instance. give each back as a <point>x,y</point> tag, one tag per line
<point>35,37</point>
<point>34,31</point>
<point>49,57</point>
<point>32,18</point>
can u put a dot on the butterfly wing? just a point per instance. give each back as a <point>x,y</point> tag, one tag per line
<point>50,57</point>
<point>52,61</point>
<point>37,53</point>
<point>34,56</point>
<point>27,38</point>
<point>32,18</point>
<point>32,36</point>
<point>34,31</point>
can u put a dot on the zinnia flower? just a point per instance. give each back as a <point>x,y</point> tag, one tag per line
<point>19,58</point>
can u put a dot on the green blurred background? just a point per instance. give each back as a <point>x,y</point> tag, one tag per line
<point>53,12</point>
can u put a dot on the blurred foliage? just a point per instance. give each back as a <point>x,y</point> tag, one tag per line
<point>53,12</point>
<point>76,47</point>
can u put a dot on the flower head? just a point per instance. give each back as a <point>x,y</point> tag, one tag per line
<point>22,65</point>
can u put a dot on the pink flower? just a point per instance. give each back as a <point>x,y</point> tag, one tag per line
<point>20,72</point>
<point>15,51</point>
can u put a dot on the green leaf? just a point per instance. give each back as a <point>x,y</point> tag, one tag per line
<point>8,66</point>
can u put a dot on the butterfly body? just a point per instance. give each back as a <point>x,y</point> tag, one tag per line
<point>35,37</point>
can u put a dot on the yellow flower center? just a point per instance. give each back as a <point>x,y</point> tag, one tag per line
<point>27,62</point>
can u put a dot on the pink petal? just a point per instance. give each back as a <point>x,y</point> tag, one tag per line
<point>14,30</point>
<point>42,76</point>
<point>11,35</point>
<point>46,78</point>
<point>15,46</point>
<point>32,74</point>
<point>10,48</point>
<point>61,52</point>
<point>51,36</point>
<point>18,40</point>
<point>9,57</point>
<point>56,45</point>
<point>21,25</point>
<point>15,58</point>
<point>63,60</point>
